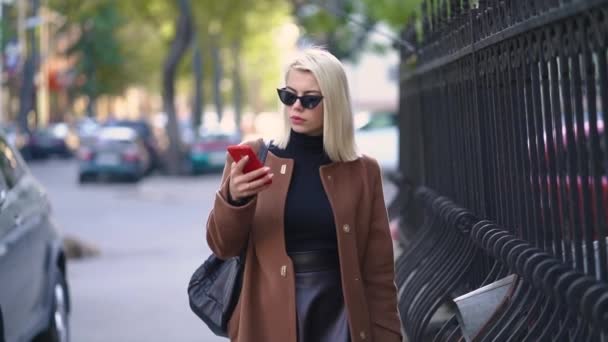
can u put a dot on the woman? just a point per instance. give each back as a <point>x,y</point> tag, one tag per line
<point>319,260</point>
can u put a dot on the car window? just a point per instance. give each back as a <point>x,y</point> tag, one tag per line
<point>141,127</point>
<point>377,121</point>
<point>11,164</point>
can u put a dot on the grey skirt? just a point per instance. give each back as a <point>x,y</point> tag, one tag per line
<point>321,313</point>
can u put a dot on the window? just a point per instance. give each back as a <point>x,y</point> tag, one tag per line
<point>11,164</point>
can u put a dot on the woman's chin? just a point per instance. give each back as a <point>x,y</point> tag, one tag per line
<point>306,130</point>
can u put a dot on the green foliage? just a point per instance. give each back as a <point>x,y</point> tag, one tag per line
<point>100,67</point>
<point>395,13</point>
<point>340,26</point>
<point>343,26</point>
<point>132,39</point>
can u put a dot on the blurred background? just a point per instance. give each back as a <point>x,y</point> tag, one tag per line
<point>120,112</point>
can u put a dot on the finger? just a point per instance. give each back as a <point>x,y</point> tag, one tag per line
<point>237,170</point>
<point>232,168</point>
<point>255,174</point>
<point>259,183</point>
<point>241,164</point>
<point>256,191</point>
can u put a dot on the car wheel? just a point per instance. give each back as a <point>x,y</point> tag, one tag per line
<point>58,329</point>
<point>85,177</point>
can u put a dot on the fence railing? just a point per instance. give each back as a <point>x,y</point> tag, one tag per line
<point>502,118</point>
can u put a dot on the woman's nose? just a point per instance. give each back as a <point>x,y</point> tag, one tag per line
<point>298,105</point>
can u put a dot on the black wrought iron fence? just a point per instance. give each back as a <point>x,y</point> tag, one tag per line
<point>502,127</point>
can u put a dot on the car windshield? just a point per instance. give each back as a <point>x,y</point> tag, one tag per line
<point>142,128</point>
<point>215,137</point>
<point>121,134</point>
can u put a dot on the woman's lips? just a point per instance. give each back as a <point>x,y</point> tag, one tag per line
<point>296,119</point>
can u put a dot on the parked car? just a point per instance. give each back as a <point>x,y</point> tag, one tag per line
<point>57,139</point>
<point>117,151</point>
<point>208,152</point>
<point>377,135</point>
<point>34,296</point>
<point>145,132</point>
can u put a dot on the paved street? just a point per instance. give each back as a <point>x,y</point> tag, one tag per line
<point>151,238</point>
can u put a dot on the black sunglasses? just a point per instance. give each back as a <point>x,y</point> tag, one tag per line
<point>308,101</point>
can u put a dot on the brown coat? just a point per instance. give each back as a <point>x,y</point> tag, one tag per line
<point>266,309</point>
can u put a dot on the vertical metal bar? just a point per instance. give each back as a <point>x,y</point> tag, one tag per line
<point>603,91</point>
<point>465,176</point>
<point>449,115</point>
<point>445,134</point>
<point>484,128</point>
<point>595,164</point>
<point>456,112</point>
<point>583,176</point>
<point>570,179</point>
<point>494,135</point>
<point>470,142</point>
<point>502,134</point>
<point>531,167</point>
<point>549,147</point>
<point>467,132</point>
<point>544,231</point>
<point>537,178</point>
<point>477,105</point>
<point>521,139</point>
<point>564,219</point>
<point>517,197</point>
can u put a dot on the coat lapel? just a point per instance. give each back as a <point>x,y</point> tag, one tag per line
<point>270,213</point>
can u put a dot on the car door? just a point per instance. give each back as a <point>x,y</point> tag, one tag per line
<point>9,282</point>
<point>23,246</point>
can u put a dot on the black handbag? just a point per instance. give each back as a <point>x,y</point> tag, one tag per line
<point>215,286</point>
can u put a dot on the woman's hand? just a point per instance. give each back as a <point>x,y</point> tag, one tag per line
<point>243,185</point>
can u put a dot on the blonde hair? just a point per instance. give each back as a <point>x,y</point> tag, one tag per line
<point>338,127</point>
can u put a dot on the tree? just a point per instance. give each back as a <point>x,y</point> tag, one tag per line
<point>154,49</point>
<point>100,67</point>
<point>343,26</point>
<point>328,24</point>
<point>27,91</point>
<point>181,42</point>
<point>198,101</point>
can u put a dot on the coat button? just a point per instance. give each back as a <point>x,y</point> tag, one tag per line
<point>329,177</point>
<point>363,335</point>
<point>346,228</point>
<point>284,271</point>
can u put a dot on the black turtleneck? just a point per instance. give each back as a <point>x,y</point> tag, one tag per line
<point>309,220</point>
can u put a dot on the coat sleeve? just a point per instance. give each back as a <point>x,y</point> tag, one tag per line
<point>378,268</point>
<point>229,225</point>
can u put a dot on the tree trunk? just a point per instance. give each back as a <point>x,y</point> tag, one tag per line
<point>183,38</point>
<point>217,77</point>
<point>198,104</point>
<point>27,91</point>
<point>91,107</point>
<point>237,86</point>
<point>27,94</point>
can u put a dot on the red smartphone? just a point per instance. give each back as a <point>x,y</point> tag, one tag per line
<point>239,151</point>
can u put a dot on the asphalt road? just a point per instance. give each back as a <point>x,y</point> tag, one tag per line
<point>151,238</point>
